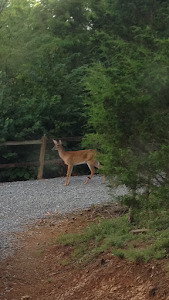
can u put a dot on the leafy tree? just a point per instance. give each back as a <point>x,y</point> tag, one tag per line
<point>127,101</point>
<point>44,57</point>
<point>47,86</point>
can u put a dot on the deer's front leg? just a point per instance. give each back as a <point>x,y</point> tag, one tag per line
<point>69,171</point>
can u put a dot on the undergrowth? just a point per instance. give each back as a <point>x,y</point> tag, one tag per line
<point>116,235</point>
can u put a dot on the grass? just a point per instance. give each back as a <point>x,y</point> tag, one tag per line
<point>65,262</point>
<point>115,234</point>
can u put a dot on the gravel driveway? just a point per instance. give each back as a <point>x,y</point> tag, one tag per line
<point>26,201</point>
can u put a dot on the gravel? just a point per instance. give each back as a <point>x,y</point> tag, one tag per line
<point>24,202</point>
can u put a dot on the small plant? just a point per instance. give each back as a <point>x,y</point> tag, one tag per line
<point>138,255</point>
<point>65,262</point>
<point>119,253</point>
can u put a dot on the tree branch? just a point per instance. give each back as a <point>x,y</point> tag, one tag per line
<point>2,5</point>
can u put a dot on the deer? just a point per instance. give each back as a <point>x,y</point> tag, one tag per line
<point>72,158</point>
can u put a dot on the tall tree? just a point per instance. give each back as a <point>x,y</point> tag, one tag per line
<point>45,49</point>
<point>128,103</point>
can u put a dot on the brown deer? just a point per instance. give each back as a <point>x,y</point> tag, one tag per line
<point>72,158</point>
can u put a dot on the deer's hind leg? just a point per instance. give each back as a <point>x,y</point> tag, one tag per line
<point>92,169</point>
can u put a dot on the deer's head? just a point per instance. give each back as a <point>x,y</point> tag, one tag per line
<point>57,145</point>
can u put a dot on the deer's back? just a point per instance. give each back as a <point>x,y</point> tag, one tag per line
<point>78,157</point>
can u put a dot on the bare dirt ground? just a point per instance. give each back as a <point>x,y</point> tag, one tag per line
<point>39,269</point>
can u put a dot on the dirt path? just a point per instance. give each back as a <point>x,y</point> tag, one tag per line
<point>40,269</point>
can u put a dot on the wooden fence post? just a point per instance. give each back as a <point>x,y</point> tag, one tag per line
<point>41,162</point>
<point>42,157</point>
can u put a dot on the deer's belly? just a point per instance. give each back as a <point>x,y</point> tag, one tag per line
<point>80,163</point>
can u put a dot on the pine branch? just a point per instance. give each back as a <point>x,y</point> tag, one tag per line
<point>2,5</point>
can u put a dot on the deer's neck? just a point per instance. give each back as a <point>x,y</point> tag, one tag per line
<point>61,152</point>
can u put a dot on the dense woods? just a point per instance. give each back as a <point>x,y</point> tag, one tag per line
<point>98,69</point>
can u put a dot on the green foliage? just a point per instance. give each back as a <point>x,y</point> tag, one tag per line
<point>43,59</point>
<point>97,238</point>
<point>151,218</point>
<point>45,66</point>
<point>127,98</point>
<point>18,174</point>
<point>119,253</point>
<point>116,235</point>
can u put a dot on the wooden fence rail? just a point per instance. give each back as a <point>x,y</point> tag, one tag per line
<point>42,160</point>
<point>30,164</point>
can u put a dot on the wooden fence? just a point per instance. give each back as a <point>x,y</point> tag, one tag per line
<point>42,160</point>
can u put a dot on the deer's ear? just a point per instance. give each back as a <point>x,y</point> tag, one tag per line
<point>55,142</point>
<point>60,142</point>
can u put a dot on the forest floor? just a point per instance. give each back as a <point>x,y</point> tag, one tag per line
<point>41,269</point>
